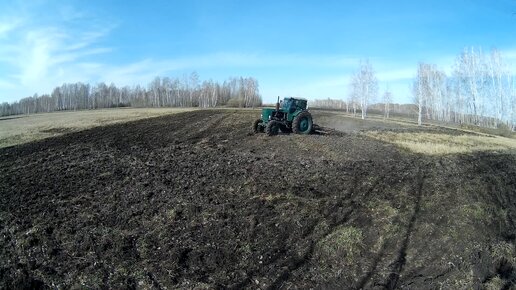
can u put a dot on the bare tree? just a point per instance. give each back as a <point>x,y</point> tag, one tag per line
<point>484,88</point>
<point>428,90</point>
<point>353,97</point>
<point>387,100</point>
<point>364,86</point>
<point>160,92</point>
<point>421,89</point>
<point>328,104</point>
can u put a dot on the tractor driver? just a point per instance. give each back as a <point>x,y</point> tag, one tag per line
<point>287,104</point>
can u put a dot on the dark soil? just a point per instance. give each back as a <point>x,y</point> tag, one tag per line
<point>195,201</point>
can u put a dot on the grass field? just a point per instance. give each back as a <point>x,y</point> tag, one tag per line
<point>26,128</point>
<point>439,144</point>
<point>430,139</point>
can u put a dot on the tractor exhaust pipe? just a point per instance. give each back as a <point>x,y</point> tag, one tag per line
<point>277,105</point>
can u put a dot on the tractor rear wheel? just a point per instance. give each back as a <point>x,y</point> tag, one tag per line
<point>302,123</point>
<point>272,128</point>
<point>257,126</point>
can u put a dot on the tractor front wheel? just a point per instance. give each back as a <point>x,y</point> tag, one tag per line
<point>272,128</point>
<point>284,129</point>
<point>257,126</point>
<point>302,123</point>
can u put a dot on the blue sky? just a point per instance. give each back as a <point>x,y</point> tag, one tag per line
<point>294,48</point>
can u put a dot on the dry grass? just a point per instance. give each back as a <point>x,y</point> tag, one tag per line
<point>20,129</point>
<point>439,144</point>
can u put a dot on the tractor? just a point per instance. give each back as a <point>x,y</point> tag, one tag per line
<point>289,116</point>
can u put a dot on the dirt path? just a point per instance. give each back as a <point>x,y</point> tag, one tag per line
<point>194,201</point>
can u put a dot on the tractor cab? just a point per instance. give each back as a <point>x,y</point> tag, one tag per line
<point>290,105</point>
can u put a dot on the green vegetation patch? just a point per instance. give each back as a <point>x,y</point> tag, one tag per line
<point>345,243</point>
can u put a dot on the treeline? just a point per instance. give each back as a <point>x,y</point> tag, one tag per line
<point>481,90</point>
<point>407,110</point>
<point>329,104</point>
<point>187,91</point>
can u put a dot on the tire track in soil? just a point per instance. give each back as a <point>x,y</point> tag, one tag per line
<point>210,125</point>
<point>401,260</point>
<point>359,197</point>
<point>298,262</point>
<point>293,263</point>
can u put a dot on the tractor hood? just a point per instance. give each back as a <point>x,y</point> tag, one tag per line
<point>266,113</point>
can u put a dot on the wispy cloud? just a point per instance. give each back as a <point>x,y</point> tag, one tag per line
<point>42,56</point>
<point>255,60</point>
<point>8,24</point>
<point>391,75</point>
<point>50,49</point>
<point>142,71</point>
<point>6,84</point>
<point>39,56</point>
<point>39,52</point>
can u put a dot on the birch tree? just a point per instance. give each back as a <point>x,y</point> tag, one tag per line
<point>364,86</point>
<point>484,88</point>
<point>421,89</point>
<point>387,100</point>
<point>429,90</point>
<point>353,97</point>
<point>160,92</point>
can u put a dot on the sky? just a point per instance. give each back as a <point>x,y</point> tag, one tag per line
<point>297,48</point>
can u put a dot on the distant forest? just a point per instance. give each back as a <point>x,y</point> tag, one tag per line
<point>187,91</point>
<point>481,91</point>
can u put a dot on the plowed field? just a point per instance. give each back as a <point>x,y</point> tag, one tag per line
<point>195,201</point>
